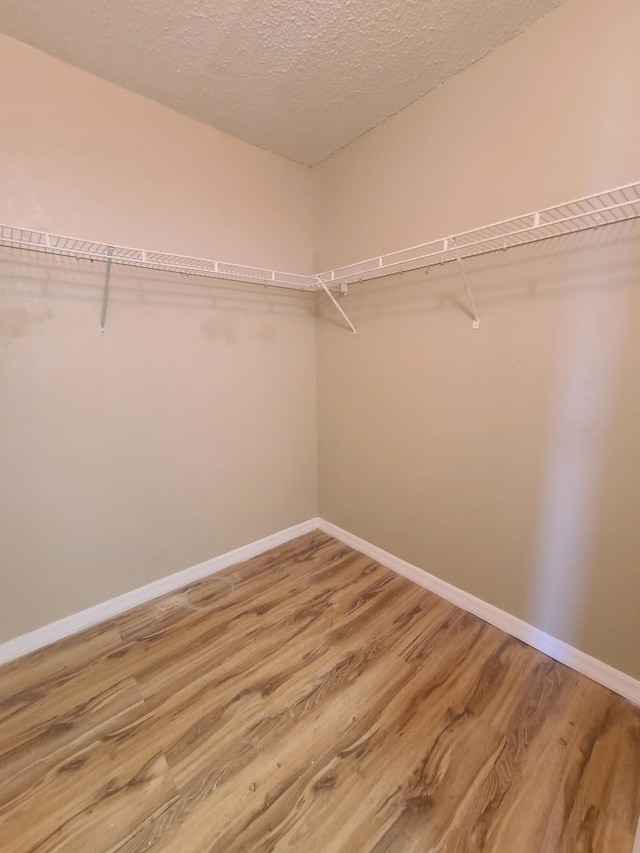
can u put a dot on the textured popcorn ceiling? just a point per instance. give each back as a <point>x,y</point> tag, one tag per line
<point>301,78</point>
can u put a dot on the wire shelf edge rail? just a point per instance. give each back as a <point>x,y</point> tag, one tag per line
<point>12,236</point>
<point>608,207</point>
<point>612,206</point>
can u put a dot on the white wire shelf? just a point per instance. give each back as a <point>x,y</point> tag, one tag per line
<point>605,208</point>
<point>55,244</point>
<point>608,207</point>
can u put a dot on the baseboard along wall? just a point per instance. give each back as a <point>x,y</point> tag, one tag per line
<point>115,606</point>
<point>577,660</point>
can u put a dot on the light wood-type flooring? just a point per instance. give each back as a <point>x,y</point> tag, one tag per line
<point>310,700</point>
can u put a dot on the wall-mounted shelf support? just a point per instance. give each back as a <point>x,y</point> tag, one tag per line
<point>608,207</point>
<point>337,304</point>
<point>105,292</point>
<point>450,242</point>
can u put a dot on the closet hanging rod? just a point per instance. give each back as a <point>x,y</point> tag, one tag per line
<point>605,208</point>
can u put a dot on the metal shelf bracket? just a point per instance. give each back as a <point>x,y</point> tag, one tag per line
<point>336,303</point>
<point>105,292</point>
<point>451,244</point>
<point>615,205</point>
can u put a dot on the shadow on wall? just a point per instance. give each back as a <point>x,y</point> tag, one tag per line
<point>558,267</point>
<point>31,284</point>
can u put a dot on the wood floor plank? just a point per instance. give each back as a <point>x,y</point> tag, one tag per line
<point>541,794</point>
<point>309,699</point>
<point>65,694</point>
<point>611,779</point>
<point>288,747</point>
<point>473,827</point>
<point>91,799</point>
<point>53,741</point>
<point>29,679</point>
<point>240,584</point>
<point>393,710</point>
<point>217,637</point>
<point>281,686</point>
<point>588,830</point>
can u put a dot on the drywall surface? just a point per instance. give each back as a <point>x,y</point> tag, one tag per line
<point>187,430</point>
<point>504,460</point>
<point>84,157</point>
<point>550,116</point>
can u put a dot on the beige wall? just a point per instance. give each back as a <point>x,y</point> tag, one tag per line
<point>507,460</point>
<point>84,157</point>
<point>549,116</point>
<point>187,430</point>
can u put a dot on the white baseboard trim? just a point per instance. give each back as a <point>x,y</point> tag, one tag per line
<point>115,606</point>
<point>581,662</point>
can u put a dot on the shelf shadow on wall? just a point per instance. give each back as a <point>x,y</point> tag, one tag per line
<point>32,283</point>
<point>560,267</point>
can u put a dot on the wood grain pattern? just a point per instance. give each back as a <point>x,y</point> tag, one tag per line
<point>310,700</point>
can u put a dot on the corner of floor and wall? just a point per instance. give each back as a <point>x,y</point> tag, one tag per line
<point>500,462</point>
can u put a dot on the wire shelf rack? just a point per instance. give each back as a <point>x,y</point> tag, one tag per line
<point>55,244</point>
<point>605,208</point>
<point>593,211</point>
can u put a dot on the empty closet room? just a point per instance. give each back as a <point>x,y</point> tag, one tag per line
<point>320,426</point>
